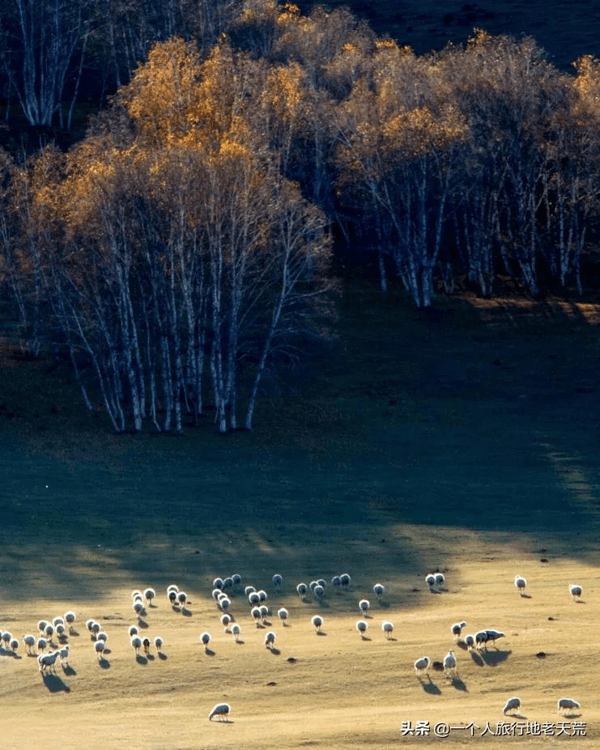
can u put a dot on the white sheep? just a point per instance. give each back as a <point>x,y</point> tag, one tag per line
<point>440,580</point>
<point>29,641</point>
<point>388,628</point>
<point>224,603</point>
<point>481,638</point>
<point>138,607</point>
<point>565,704</point>
<point>70,619</point>
<point>95,628</point>
<point>41,644</point>
<point>228,582</point>
<point>14,645</point>
<point>6,638</point>
<point>521,584</point>
<point>205,640</point>
<point>46,661</point>
<point>277,581</point>
<point>60,631</point>
<point>319,591</point>
<point>42,626</point>
<point>512,704</point>
<point>149,595</point>
<point>63,654</point>
<point>422,665</point>
<point>450,664</point>
<point>253,598</point>
<point>225,620</point>
<point>493,636</point>
<point>362,626</point>
<point>317,623</point>
<point>48,631</point>
<point>363,606</point>
<point>221,710</point>
<point>237,579</point>
<point>136,594</point>
<point>133,630</point>
<point>99,647</point>
<point>158,643</point>
<point>218,583</point>
<point>336,582</point>
<point>575,592</point>
<point>136,643</point>
<point>257,615</point>
<point>263,596</point>
<point>236,631</point>
<point>182,598</point>
<point>345,580</point>
<point>172,596</point>
<point>283,615</point>
<point>249,590</point>
<point>264,612</point>
<point>58,621</point>
<point>102,637</point>
<point>430,581</point>
<point>270,639</point>
<point>146,645</point>
<point>379,590</point>
<point>470,642</point>
<point>302,589</point>
<point>457,629</point>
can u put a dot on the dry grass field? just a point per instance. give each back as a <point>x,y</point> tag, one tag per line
<point>464,440</point>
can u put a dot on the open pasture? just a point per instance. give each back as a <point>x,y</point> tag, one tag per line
<point>463,441</point>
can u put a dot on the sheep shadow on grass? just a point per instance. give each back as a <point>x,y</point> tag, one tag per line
<point>477,659</point>
<point>162,656</point>
<point>493,658</point>
<point>430,687</point>
<point>104,663</point>
<point>458,684</point>
<point>186,612</point>
<point>141,659</point>
<point>209,652</point>
<point>68,670</point>
<point>275,651</point>
<point>54,683</point>
<point>321,632</point>
<point>526,596</point>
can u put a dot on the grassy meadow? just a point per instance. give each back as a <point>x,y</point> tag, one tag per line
<point>462,440</point>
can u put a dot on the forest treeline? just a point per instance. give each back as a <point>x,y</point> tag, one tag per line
<point>182,248</point>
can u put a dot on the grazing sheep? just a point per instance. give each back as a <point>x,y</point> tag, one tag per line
<point>6,638</point>
<point>264,612</point>
<point>42,626</point>
<point>133,630</point>
<point>182,598</point>
<point>362,626</point>
<point>336,582</point>
<point>521,584</point>
<point>172,587</point>
<point>218,583</point>
<point>256,613</point>
<point>60,631</point>
<point>224,603</point>
<point>263,596</point>
<point>158,643</point>
<point>481,638</point>
<point>236,631</point>
<point>136,643</point>
<point>41,644</point>
<point>322,582</point>
<point>312,585</point>
<point>512,704</point>
<point>14,645</point>
<point>422,665</point>
<point>254,598</point>
<point>457,629</point>
<point>149,595</point>
<point>470,642</point>
<point>302,589</point>
<point>221,710</point>
<point>136,594</point>
<point>283,614</point>
<point>237,579</point>
<point>63,654</point>
<point>29,641</point>
<point>363,606</point>
<point>249,590</point>
<point>270,639</point>
<point>450,664</point>
<point>138,607</point>
<point>102,637</point>
<point>430,581</point>
<point>317,623</point>
<point>440,580</point>
<point>58,621</point>
<point>49,632</point>
<point>46,661</point>
<point>345,580</point>
<point>146,645</point>
<point>565,704</point>
<point>172,596</point>
<point>205,640</point>
<point>225,620</point>
<point>493,636</point>
<point>228,582</point>
<point>379,590</point>
<point>318,591</point>
<point>388,628</point>
<point>277,581</point>
<point>575,592</point>
<point>99,647</point>
<point>70,619</point>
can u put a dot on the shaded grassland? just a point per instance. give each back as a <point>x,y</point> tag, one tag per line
<point>463,440</point>
<point>566,30</point>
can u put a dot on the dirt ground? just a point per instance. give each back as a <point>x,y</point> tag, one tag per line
<point>463,441</point>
